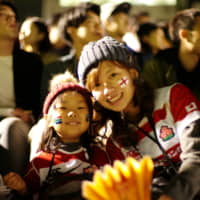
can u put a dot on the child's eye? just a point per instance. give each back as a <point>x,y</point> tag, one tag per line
<point>61,108</point>
<point>97,84</point>
<point>81,107</point>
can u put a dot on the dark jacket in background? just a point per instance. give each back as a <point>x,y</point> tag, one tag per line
<point>27,68</point>
<point>165,69</point>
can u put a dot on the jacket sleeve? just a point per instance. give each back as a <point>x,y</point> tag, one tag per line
<point>27,79</point>
<point>186,184</point>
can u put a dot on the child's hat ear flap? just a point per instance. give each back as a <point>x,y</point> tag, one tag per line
<point>45,116</point>
<point>48,119</point>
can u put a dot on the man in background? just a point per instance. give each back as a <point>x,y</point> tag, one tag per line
<point>80,24</point>
<point>19,89</point>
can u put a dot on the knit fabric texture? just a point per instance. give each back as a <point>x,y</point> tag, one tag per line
<point>106,48</point>
<point>61,88</point>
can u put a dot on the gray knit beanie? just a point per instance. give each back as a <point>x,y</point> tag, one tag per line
<point>106,48</point>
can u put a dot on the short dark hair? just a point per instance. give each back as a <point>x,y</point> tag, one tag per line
<point>184,19</point>
<point>11,5</point>
<point>75,16</point>
<point>54,19</point>
<point>44,45</point>
<point>121,8</point>
<point>144,30</point>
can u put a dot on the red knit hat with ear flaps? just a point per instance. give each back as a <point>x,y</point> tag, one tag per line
<point>63,87</point>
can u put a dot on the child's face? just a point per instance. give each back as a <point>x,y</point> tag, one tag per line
<point>70,116</point>
<point>115,88</point>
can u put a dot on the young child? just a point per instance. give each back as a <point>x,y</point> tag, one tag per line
<point>66,149</point>
<point>163,124</point>
<point>35,132</point>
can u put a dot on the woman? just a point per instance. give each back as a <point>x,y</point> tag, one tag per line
<point>163,124</point>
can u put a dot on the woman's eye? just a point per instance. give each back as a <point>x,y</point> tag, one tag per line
<point>113,75</point>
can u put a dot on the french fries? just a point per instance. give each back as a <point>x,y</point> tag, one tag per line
<point>129,180</point>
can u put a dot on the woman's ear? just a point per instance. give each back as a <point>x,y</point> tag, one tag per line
<point>185,34</point>
<point>134,73</point>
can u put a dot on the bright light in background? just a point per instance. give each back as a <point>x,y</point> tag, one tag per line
<point>154,2</point>
<point>136,2</point>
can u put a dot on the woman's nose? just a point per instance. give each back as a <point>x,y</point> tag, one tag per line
<point>107,91</point>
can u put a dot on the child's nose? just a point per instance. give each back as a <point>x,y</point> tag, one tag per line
<point>71,114</point>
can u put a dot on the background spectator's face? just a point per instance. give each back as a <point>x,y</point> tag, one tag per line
<point>194,36</point>
<point>29,33</point>
<point>119,23</point>
<point>91,29</point>
<point>8,24</point>
<point>156,39</point>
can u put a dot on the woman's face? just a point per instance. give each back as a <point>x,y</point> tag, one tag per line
<point>70,116</point>
<point>114,89</point>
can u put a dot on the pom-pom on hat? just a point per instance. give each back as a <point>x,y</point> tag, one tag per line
<point>106,48</point>
<point>63,87</point>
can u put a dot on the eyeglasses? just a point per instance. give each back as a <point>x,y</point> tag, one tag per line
<point>7,17</point>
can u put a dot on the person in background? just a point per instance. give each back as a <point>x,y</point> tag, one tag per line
<point>180,63</point>
<point>117,23</point>
<point>143,17</point>
<point>130,37</point>
<point>79,25</point>
<point>152,39</point>
<point>163,124</point>
<point>34,37</point>
<point>66,146</point>
<point>61,46</point>
<point>12,185</point>
<point>19,89</point>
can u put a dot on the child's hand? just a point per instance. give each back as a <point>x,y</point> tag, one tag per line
<point>91,169</point>
<point>15,182</point>
<point>165,197</point>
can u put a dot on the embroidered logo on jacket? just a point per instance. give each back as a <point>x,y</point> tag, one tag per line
<point>191,107</point>
<point>166,133</point>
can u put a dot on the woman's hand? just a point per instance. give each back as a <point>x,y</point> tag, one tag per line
<point>15,182</point>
